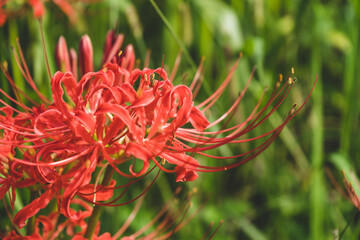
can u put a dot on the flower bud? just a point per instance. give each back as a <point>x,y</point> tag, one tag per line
<point>127,59</point>
<point>112,46</point>
<point>38,7</point>
<point>86,55</point>
<point>2,18</point>
<point>62,55</point>
<point>73,62</point>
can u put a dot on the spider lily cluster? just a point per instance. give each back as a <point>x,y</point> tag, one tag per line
<point>107,119</point>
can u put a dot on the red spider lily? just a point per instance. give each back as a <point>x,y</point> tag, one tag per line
<point>118,116</point>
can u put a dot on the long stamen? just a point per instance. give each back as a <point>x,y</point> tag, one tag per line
<point>130,218</point>
<point>222,87</point>
<point>176,66</point>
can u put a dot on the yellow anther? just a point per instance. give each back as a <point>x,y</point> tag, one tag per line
<point>119,54</point>
<point>290,80</point>
<point>87,163</point>
<point>5,65</point>
<point>292,111</point>
<point>31,151</point>
<point>280,77</point>
<point>292,71</point>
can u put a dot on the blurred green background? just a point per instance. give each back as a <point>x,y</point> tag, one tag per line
<point>292,190</point>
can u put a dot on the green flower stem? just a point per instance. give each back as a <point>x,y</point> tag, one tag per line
<point>94,218</point>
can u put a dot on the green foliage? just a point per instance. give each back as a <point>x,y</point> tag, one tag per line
<point>284,193</point>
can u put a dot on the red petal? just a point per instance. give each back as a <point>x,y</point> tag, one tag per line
<point>57,92</point>
<point>146,98</point>
<point>185,175</point>
<point>82,177</point>
<point>198,119</point>
<point>87,120</point>
<point>101,194</point>
<point>33,208</point>
<point>124,115</point>
<point>140,152</point>
<point>181,159</point>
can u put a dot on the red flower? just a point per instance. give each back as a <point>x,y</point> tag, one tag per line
<point>50,227</point>
<point>112,117</point>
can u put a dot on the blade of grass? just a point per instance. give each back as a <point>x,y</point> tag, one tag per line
<point>251,230</point>
<point>16,74</point>
<point>317,191</point>
<point>186,53</point>
<point>351,86</point>
<point>174,35</point>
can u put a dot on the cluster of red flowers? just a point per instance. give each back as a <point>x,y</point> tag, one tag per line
<point>167,222</point>
<point>118,116</point>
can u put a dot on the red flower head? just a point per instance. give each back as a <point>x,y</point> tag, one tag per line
<point>127,119</point>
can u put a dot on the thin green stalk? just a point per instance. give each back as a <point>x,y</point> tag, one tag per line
<point>355,216</point>
<point>136,27</point>
<point>38,69</point>
<point>16,74</point>
<point>4,84</point>
<point>44,48</point>
<point>187,55</point>
<point>317,191</point>
<point>94,218</point>
<point>172,32</point>
<point>350,113</point>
